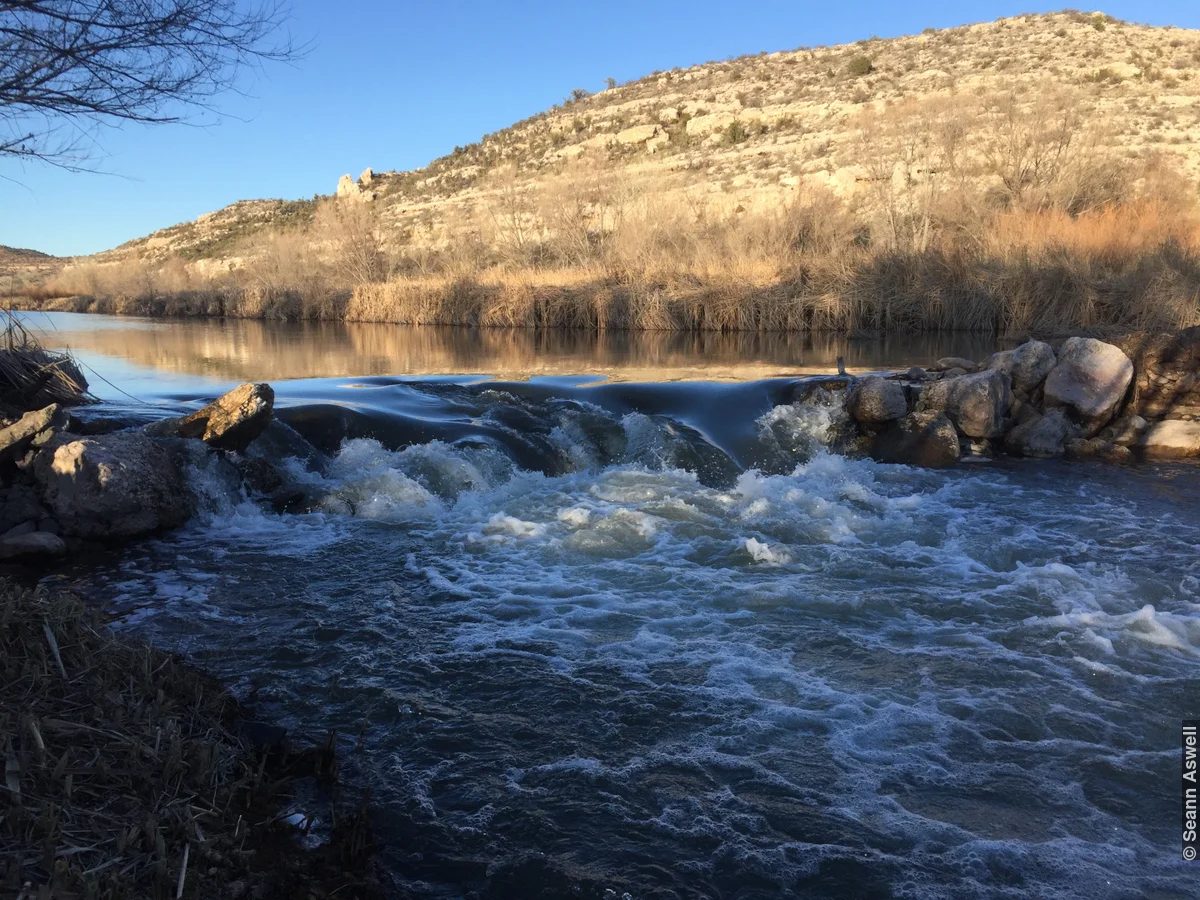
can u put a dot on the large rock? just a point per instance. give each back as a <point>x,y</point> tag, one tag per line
<point>1097,449</point>
<point>1090,381</point>
<point>1171,439</point>
<point>1027,365</point>
<point>1167,374</point>
<point>953,362</point>
<point>36,544</point>
<point>233,420</point>
<point>976,404</point>
<point>874,400</point>
<point>113,486</point>
<point>925,439</point>
<point>18,437</point>
<point>1043,437</point>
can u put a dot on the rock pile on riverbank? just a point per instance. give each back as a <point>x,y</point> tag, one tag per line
<point>1136,399</point>
<point>64,481</point>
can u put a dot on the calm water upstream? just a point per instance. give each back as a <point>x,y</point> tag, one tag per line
<point>620,634</point>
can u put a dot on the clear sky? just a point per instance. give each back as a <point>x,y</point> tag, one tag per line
<point>393,85</point>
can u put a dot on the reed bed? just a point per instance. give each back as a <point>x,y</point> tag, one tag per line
<point>32,377</point>
<point>124,776</point>
<point>805,268</point>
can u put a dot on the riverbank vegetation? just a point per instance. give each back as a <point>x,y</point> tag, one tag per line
<point>806,268</point>
<point>126,775</point>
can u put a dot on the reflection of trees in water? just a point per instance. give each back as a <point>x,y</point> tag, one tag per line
<point>251,349</point>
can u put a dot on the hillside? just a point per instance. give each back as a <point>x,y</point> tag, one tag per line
<point>750,130</point>
<point>18,265</point>
<point>940,180</point>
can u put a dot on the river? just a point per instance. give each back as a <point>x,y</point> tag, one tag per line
<point>622,624</point>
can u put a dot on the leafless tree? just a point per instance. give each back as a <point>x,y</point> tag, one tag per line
<point>67,66</point>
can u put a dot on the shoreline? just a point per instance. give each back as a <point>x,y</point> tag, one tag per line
<point>131,770</point>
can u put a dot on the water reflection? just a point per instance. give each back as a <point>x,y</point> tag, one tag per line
<point>240,350</point>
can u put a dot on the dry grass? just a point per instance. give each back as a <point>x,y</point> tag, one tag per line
<point>33,378</point>
<point>123,777</point>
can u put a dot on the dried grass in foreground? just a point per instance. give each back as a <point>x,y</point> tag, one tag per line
<point>124,777</point>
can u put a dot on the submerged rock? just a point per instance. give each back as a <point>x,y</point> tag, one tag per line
<point>114,486</point>
<point>926,439</point>
<point>1090,381</point>
<point>976,404</point>
<point>874,400</point>
<point>1027,365</point>
<point>1043,437</point>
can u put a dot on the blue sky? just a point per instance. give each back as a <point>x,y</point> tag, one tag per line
<point>395,85</point>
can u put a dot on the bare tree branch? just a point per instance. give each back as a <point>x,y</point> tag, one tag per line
<point>67,66</point>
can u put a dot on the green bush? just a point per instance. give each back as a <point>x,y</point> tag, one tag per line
<point>859,66</point>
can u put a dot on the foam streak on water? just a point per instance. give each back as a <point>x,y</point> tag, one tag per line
<point>641,671</point>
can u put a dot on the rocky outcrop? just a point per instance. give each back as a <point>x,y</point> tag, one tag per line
<point>875,400</point>
<point>231,422</point>
<point>1042,436</point>
<point>1090,381</point>
<point>1171,439</point>
<point>976,404</point>
<point>114,486</point>
<point>1167,384</point>
<point>1027,365</point>
<point>927,439</point>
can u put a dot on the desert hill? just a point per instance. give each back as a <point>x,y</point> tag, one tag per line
<point>750,130</point>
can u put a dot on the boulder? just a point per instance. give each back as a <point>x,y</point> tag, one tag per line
<point>926,439</point>
<point>113,486</point>
<point>916,373</point>
<point>17,438</point>
<point>953,362</point>
<point>976,404</point>
<point>874,400</point>
<point>1043,437</point>
<point>1090,381</point>
<point>1027,365</point>
<point>1097,449</point>
<point>231,421</point>
<point>36,544</point>
<point>1171,439</point>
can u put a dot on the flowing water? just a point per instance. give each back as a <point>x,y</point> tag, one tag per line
<point>661,640</point>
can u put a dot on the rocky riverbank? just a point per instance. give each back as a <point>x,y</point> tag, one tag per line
<point>1134,399</point>
<point>67,483</point>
